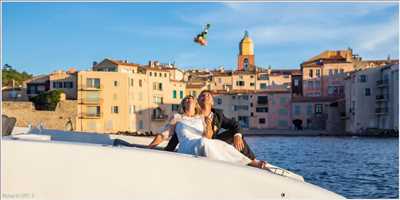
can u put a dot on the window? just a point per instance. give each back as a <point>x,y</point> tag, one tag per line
<point>132,82</point>
<point>160,86</point>
<point>297,110</point>
<point>336,71</point>
<point>157,100</point>
<point>154,86</point>
<point>141,124</point>
<point>165,75</point>
<point>318,108</point>
<point>175,107</point>
<point>233,97</point>
<point>367,91</point>
<point>261,121</point>
<point>58,84</point>
<point>174,94</point>
<point>251,84</point>
<point>282,123</point>
<point>93,110</point>
<point>264,77</point>
<point>160,74</point>
<point>132,109</point>
<point>151,74</point>
<point>114,109</point>
<point>241,107</point>
<point>330,72</point>
<point>310,84</point>
<point>219,101</point>
<point>246,63</point>
<point>251,76</point>
<point>317,84</point>
<point>362,78</point>
<point>245,97</point>
<point>140,83</point>
<point>262,100</point>
<point>261,109</point>
<point>342,71</point>
<point>296,82</point>
<point>309,109</point>
<point>67,84</point>
<point>263,86</point>
<point>181,94</point>
<point>310,73</point>
<point>331,90</point>
<point>283,99</point>
<point>318,72</point>
<point>239,83</point>
<point>93,83</point>
<point>155,74</point>
<point>283,111</point>
<point>115,83</point>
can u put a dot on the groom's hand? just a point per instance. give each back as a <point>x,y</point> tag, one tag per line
<point>238,142</point>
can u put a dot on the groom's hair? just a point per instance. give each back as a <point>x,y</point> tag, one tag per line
<point>206,91</point>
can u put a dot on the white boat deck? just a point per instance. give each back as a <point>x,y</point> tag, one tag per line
<point>67,165</point>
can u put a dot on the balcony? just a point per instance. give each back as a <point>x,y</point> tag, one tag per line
<point>159,117</point>
<point>90,87</point>
<point>87,115</point>
<point>90,101</point>
<point>381,111</point>
<point>382,83</point>
<point>381,98</point>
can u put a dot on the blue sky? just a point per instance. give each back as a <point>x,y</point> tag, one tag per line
<point>42,37</point>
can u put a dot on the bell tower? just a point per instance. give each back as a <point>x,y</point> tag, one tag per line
<point>246,54</point>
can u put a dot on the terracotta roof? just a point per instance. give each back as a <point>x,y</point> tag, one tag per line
<point>38,79</point>
<point>243,72</point>
<point>225,73</point>
<point>120,62</point>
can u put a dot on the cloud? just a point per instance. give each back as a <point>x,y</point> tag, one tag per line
<point>370,28</point>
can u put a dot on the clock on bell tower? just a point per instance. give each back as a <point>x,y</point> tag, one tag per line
<point>246,54</point>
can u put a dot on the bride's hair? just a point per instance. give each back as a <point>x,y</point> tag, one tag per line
<point>182,108</point>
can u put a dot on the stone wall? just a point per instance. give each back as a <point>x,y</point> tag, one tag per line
<point>25,113</point>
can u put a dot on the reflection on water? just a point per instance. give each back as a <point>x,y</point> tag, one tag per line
<point>352,167</point>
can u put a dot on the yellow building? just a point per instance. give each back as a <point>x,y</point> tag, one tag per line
<point>121,96</point>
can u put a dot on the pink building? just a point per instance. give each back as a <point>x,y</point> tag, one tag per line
<point>271,109</point>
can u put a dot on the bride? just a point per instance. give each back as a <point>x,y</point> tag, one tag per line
<point>194,139</point>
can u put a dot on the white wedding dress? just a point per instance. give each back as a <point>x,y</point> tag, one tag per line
<point>190,130</point>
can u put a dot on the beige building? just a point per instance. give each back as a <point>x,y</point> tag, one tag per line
<point>372,98</point>
<point>121,96</point>
<point>64,81</point>
<point>324,74</point>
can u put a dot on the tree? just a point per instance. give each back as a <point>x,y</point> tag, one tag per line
<point>9,74</point>
<point>47,100</point>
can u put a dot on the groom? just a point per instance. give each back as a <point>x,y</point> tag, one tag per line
<point>217,120</point>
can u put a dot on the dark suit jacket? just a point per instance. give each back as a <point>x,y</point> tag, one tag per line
<point>219,121</point>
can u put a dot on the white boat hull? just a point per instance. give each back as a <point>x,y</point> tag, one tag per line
<point>64,170</point>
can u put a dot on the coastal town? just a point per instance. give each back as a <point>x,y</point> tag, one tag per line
<point>334,92</point>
